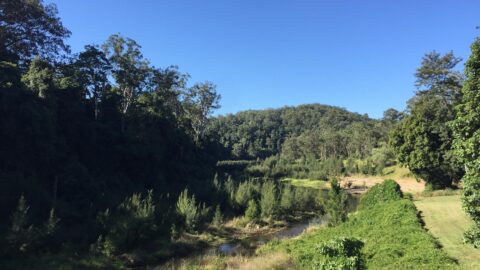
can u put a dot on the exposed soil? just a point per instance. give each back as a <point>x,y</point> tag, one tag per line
<point>358,184</point>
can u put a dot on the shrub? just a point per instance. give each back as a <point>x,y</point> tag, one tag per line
<point>287,199</point>
<point>252,213</point>
<point>268,201</point>
<point>217,217</point>
<point>340,253</point>
<point>132,224</point>
<point>21,236</point>
<point>336,203</point>
<point>246,191</point>
<point>386,191</point>
<point>191,213</point>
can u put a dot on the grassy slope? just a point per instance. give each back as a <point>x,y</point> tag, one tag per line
<point>445,219</point>
<point>393,237</point>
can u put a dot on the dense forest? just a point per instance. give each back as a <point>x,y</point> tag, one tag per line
<point>104,154</point>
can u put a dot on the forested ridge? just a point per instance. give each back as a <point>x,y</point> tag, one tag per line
<point>263,133</point>
<point>109,162</point>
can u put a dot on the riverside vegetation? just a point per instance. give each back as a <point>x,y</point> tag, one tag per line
<point>108,162</point>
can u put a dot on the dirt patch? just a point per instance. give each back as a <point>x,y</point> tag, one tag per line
<point>359,184</point>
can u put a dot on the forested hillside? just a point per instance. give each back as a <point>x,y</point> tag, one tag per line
<point>315,130</point>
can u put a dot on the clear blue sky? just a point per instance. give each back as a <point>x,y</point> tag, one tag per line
<point>360,55</point>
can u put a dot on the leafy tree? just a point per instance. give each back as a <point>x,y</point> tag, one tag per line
<point>392,116</point>
<point>423,140</point>
<point>93,69</point>
<point>29,28</point>
<point>437,76</point>
<point>336,203</point>
<point>200,101</point>
<point>130,70</point>
<point>466,127</point>
<point>40,77</point>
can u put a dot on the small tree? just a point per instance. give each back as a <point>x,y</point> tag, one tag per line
<point>191,213</point>
<point>268,202</point>
<point>252,213</point>
<point>336,204</point>
<point>217,217</point>
<point>287,199</point>
<point>21,235</point>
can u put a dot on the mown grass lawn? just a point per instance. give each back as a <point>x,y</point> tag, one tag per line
<point>445,219</point>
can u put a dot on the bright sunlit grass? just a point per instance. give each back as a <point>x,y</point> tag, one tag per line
<point>445,219</point>
<point>309,183</point>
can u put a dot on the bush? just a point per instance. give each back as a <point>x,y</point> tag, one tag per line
<point>246,191</point>
<point>340,253</point>
<point>336,203</point>
<point>472,236</point>
<point>217,217</point>
<point>191,213</point>
<point>287,199</point>
<point>252,213</point>
<point>386,191</point>
<point>21,236</point>
<point>268,201</point>
<point>131,225</point>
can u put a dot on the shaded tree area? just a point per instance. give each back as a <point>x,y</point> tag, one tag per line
<point>98,132</point>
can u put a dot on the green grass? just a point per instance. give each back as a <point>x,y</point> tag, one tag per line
<point>397,172</point>
<point>310,183</point>
<point>392,234</point>
<point>445,219</point>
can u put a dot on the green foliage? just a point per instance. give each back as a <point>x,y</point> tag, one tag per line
<point>311,131</point>
<point>246,190</point>
<point>336,203</point>
<point>472,236</point>
<point>423,140</point>
<point>340,254</point>
<point>392,234</point>
<point>466,129</point>
<point>269,200</point>
<point>192,214</point>
<point>253,212</point>
<point>21,236</point>
<point>30,28</point>
<point>133,223</point>
<point>287,199</point>
<point>39,77</point>
<point>217,217</point>
<point>388,190</point>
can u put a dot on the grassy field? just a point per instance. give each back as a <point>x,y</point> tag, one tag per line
<point>445,219</point>
<point>310,183</point>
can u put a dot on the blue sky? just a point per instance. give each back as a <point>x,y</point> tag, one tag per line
<point>360,55</point>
